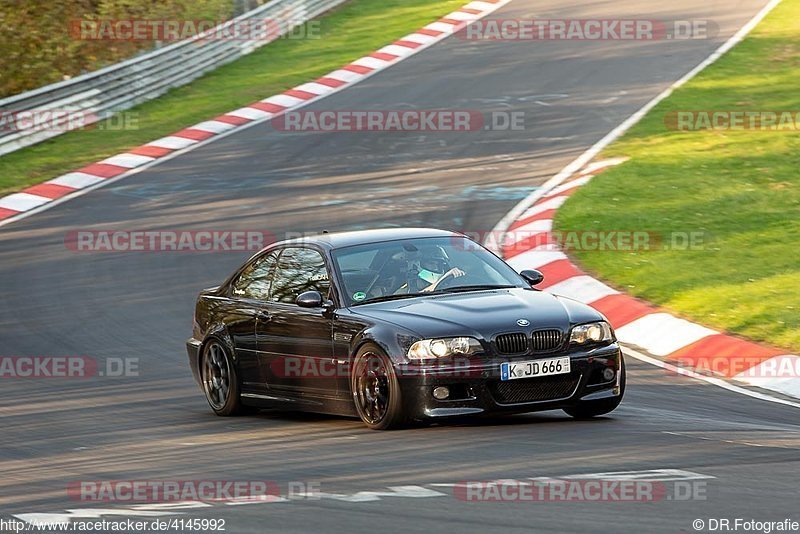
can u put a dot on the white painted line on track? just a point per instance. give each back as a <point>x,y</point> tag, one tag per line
<point>708,379</point>
<point>527,230</point>
<point>552,204</point>
<point>582,288</point>
<point>127,160</point>
<point>662,334</point>
<point>284,100</point>
<point>76,180</point>
<point>246,113</point>
<point>172,142</point>
<point>533,259</point>
<point>779,373</point>
<point>213,126</point>
<point>23,201</point>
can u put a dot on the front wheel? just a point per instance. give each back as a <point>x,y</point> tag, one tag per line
<point>220,381</point>
<point>594,408</point>
<point>376,390</point>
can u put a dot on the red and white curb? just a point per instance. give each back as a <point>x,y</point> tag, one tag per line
<point>43,196</point>
<point>526,245</point>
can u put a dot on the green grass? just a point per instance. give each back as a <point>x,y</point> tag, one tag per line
<point>355,29</point>
<point>742,188</point>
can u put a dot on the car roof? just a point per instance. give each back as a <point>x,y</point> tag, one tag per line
<point>362,237</point>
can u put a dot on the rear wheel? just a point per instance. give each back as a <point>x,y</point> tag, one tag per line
<point>594,408</point>
<point>220,381</point>
<point>376,390</point>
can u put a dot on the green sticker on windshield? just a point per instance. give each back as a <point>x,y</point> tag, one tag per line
<point>359,295</point>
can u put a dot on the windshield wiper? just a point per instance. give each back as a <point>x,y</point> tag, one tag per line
<point>385,298</point>
<point>476,287</point>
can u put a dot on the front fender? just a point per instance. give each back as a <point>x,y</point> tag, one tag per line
<point>394,341</point>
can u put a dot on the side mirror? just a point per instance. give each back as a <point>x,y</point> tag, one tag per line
<point>532,276</point>
<point>309,299</point>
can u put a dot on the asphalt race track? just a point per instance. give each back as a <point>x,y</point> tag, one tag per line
<point>742,452</point>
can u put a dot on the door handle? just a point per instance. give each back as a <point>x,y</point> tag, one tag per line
<point>263,316</point>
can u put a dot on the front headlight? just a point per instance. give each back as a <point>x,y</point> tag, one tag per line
<point>591,333</point>
<point>428,349</point>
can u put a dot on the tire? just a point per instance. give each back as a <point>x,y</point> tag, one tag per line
<point>220,380</point>
<point>376,390</point>
<point>594,408</point>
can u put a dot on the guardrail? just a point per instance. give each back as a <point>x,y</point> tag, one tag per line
<point>54,109</point>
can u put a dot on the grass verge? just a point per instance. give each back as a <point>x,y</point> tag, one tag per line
<point>740,188</point>
<point>351,31</point>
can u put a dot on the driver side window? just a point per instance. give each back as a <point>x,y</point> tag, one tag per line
<point>256,279</point>
<point>299,270</point>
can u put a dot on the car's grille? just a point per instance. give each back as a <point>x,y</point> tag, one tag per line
<point>534,389</point>
<point>547,340</point>
<point>516,343</point>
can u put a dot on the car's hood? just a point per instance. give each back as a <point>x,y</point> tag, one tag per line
<point>481,313</point>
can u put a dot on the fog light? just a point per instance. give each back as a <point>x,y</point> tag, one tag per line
<point>608,374</point>
<point>441,393</point>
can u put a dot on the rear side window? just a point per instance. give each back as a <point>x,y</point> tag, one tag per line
<point>256,279</point>
<point>299,270</point>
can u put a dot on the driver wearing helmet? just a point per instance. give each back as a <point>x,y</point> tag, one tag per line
<point>428,269</point>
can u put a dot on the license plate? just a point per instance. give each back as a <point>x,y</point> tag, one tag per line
<point>552,366</point>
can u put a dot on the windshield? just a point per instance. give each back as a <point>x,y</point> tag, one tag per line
<point>414,267</point>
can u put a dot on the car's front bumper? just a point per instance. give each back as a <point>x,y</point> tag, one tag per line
<point>477,388</point>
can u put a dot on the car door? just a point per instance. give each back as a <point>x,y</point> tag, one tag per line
<point>249,297</point>
<point>295,344</point>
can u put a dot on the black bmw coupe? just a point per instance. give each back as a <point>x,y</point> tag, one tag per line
<point>398,325</point>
